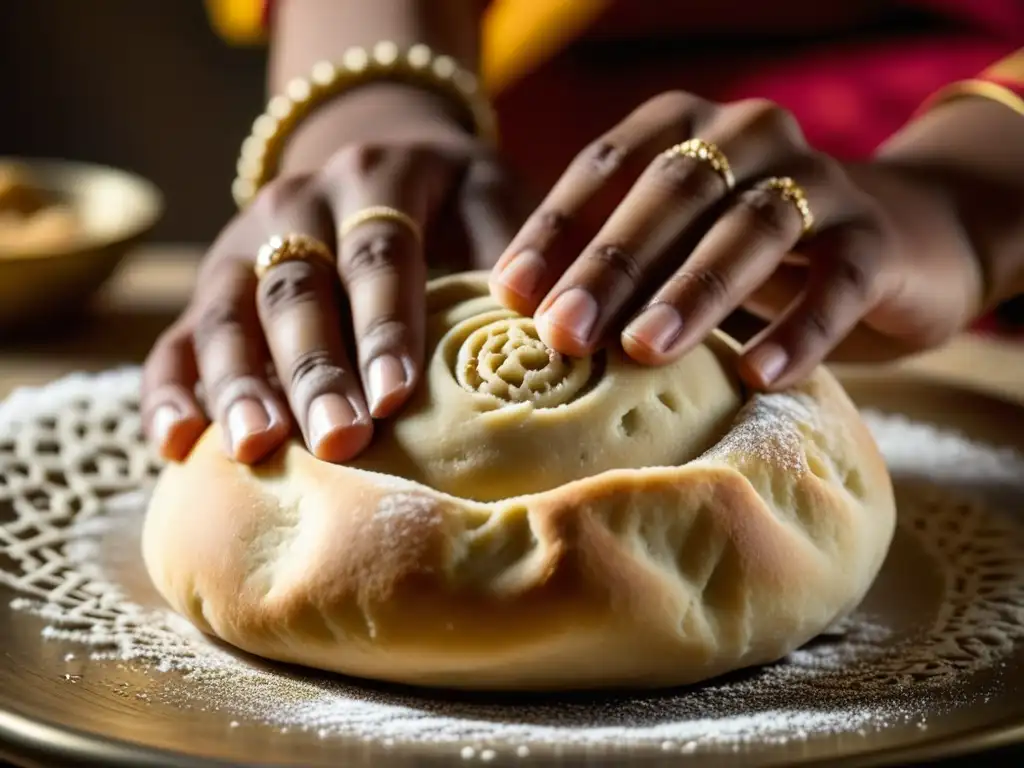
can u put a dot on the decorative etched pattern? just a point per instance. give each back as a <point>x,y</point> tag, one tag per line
<point>57,466</point>
<point>507,360</point>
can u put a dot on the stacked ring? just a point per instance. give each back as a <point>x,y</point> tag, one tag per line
<point>705,152</point>
<point>380,213</point>
<point>793,193</point>
<point>292,247</point>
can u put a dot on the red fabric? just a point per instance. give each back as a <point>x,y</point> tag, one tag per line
<point>849,99</point>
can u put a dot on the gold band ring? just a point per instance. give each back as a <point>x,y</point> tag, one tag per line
<point>380,213</point>
<point>793,193</point>
<point>291,247</point>
<point>705,152</point>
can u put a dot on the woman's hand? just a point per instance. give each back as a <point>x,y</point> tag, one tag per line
<point>682,249</point>
<point>327,347</point>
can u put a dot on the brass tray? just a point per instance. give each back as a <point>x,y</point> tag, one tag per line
<point>925,697</point>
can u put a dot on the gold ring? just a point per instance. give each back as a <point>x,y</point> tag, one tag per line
<point>705,152</point>
<point>793,193</point>
<point>291,247</point>
<point>380,213</point>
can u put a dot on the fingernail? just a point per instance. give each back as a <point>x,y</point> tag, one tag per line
<point>523,274</point>
<point>575,312</point>
<point>385,379</point>
<point>328,414</point>
<point>164,419</point>
<point>769,361</point>
<point>246,418</point>
<point>657,327</point>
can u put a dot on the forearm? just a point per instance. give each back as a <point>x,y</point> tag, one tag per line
<point>308,31</point>
<point>973,149</point>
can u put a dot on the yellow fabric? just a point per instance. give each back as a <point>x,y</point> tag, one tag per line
<point>520,34</point>
<point>517,35</point>
<point>1010,68</point>
<point>238,22</point>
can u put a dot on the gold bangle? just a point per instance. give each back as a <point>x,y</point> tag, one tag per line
<point>417,65</point>
<point>979,88</point>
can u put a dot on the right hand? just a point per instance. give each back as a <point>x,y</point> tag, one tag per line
<point>309,346</point>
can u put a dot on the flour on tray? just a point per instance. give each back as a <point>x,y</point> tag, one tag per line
<point>862,677</point>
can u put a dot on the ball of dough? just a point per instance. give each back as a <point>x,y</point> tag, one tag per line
<point>531,521</point>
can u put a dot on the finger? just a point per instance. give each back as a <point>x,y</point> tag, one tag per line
<point>298,302</point>
<point>843,285</point>
<point>492,211</point>
<point>778,292</point>
<point>234,361</point>
<point>381,262</point>
<point>862,344</point>
<point>542,250</point>
<point>740,252</point>
<point>667,205</point>
<point>171,413</point>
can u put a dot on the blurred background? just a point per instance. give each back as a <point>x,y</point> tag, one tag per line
<point>183,98</point>
<point>147,86</point>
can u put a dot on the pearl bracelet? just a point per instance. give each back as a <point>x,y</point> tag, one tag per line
<point>418,65</point>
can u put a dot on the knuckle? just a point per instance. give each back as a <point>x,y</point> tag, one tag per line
<point>217,389</point>
<point>675,109</point>
<point>279,195</point>
<point>602,158</point>
<point>287,285</point>
<point>373,254</point>
<point>826,169</point>
<point>708,286</point>
<point>552,223</point>
<point>217,316</point>
<point>359,159</point>
<point>768,214</point>
<point>313,372</point>
<point>383,332</point>
<point>816,324</point>
<point>616,259</point>
<point>764,116</point>
<point>674,102</point>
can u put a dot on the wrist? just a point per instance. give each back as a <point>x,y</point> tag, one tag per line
<point>971,151</point>
<point>383,111</point>
<point>922,220</point>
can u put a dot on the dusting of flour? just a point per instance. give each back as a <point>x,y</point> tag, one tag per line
<point>863,676</point>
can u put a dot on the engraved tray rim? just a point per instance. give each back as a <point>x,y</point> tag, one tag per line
<point>26,740</point>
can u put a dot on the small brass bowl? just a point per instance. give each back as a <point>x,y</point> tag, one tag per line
<point>115,209</point>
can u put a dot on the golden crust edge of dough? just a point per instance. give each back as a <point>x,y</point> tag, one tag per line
<point>377,577</point>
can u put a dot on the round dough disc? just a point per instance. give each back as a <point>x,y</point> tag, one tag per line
<point>535,522</point>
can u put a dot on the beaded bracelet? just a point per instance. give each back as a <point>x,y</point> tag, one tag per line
<point>418,65</point>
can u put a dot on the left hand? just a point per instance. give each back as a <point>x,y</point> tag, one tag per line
<point>687,248</point>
